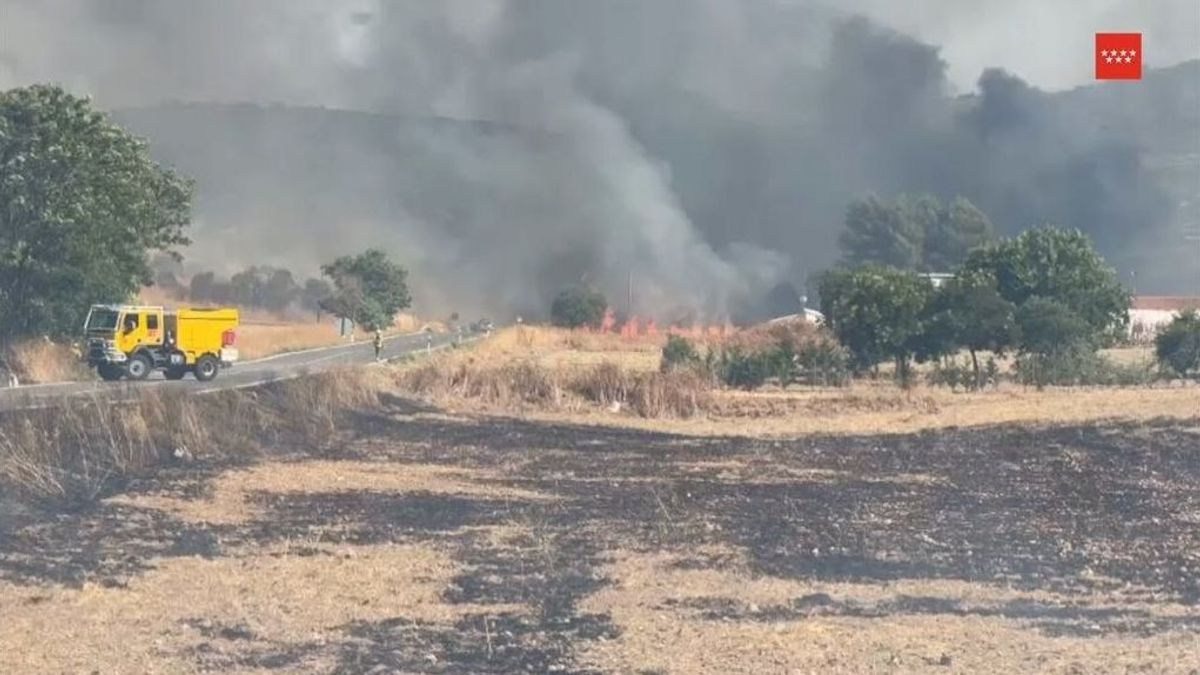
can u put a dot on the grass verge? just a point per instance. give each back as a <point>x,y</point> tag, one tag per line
<point>75,451</point>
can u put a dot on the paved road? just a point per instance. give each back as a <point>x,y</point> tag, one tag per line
<point>244,374</point>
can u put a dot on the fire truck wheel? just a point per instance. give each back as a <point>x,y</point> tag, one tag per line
<point>138,367</point>
<point>109,372</point>
<point>206,368</point>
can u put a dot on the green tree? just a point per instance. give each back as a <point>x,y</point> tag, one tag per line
<point>876,313</point>
<point>959,228</point>
<point>1054,264</point>
<point>247,287</point>
<point>266,287</point>
<point>1057,344</point>
<point>882,234</point>
<point>578,306</point>
<point>915,232</point>
<point>315,290</point>
<point>1178,345</point>
<point>369,289</point>
<point>279,290</point>
<point>1049,326</point>
<point>82,206</point>
<point>968,313</point>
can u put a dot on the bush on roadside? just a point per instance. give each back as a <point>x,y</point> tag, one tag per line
<point>1177,347</point>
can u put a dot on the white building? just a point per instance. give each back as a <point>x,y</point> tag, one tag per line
<point>937,279</point>
<point>1149,313</point>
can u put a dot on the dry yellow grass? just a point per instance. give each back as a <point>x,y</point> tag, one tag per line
<point>231,499</point>
<point>545,341</point>
<point>259,337</point>
<point>270,596</point>
<point>658,607</point>
<point>72,451</point>
<point>39,361</point>
<point>255,341</point>
<point>864,407</point>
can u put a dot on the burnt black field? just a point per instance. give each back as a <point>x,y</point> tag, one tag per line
<point>1068,509</point>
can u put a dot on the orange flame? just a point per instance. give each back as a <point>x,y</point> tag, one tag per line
<point>608,322</point>
<point>630,328</point>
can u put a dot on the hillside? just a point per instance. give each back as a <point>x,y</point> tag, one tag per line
<point>293,186</point>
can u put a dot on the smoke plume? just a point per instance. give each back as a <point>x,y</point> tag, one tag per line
<point>696,152</point>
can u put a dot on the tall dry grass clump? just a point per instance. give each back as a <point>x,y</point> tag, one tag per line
<point>508,385</point>
<point>313,406</point>
<point>680,394</point>
<point>74,451</point>
<point>39,361</point>
<point>70,454</point>
<point>523,384</point>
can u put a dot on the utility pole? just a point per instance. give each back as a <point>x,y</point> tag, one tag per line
<point>629,297</point>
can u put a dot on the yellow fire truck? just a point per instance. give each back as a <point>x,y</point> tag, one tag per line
<point>130,341</point>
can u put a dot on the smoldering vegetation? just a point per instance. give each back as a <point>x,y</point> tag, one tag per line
<point>704,151</point>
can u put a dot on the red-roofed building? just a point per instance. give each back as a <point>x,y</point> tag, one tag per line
<point>1149,313</point>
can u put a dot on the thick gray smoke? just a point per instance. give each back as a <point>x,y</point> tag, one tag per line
<point>703,149</point>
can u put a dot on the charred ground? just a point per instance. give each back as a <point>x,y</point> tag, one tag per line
<point>1066,510</point>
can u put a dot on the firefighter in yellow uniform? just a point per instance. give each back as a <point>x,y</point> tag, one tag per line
<point>378,342</point>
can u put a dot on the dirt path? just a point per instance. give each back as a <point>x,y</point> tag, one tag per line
<point>436,543</point>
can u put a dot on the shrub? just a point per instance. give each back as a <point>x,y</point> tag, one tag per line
<point>823,362</point>
<point>813,359</point>
<point>782,362</point>
<point>678,354</point>
<point>578,306</point>
<point>605,384</point>
<point>952,374</point>
<point>1080,365</point>
<point>1177,347</point>
<point>744,370</point>
<point>675,394</point>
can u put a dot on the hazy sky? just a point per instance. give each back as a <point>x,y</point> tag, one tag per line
<point>1048,43</point>
<point>136,50</point>
<point>711,144</point>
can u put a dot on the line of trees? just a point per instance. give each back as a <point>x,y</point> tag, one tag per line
<point>368,288</point>
<point>270,288</point>
<point>1045,294</point>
